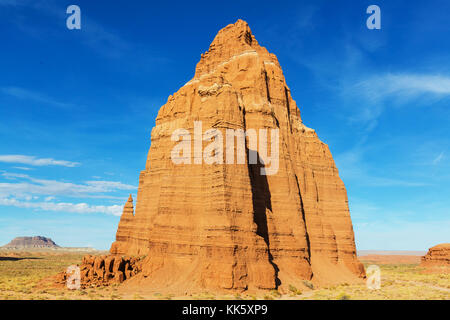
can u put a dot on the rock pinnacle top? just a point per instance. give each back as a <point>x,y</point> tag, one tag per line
<point>231,41</point>
<point>128,209</point>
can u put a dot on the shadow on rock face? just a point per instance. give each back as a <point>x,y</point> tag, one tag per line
<point>262,202</point>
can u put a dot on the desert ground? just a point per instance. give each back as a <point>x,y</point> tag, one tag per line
<point>27,276</point>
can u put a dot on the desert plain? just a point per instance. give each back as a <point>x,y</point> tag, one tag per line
<point>28,275</point>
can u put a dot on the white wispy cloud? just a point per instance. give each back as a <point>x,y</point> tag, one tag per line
<point>403,85</point>
<point>27,185</point>
<point>375,94</point>
<point>23,168</point>
<point>82,208</point>
<point>109,185</point>
<point>423,83</point>
<point>24,191</point>
<point>439,158</point>
<point>26,94</point>
<point>34,161</point>
<point>352,166</point>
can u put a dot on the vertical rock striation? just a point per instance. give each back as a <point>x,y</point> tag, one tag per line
<point>437,258</point>
<point>223,226</point>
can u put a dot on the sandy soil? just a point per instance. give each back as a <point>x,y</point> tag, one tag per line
<point>22,275</point>
<point>390,259</point>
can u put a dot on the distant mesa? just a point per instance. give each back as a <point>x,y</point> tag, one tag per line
<point>437,259</point>
<point>39,243</point>
<point>31,242</point>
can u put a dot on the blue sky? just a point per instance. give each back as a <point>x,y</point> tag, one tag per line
<point>77,106</point>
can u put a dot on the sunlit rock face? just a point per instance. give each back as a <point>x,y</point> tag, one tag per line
<point>227,226</point>
<point>437,256</point>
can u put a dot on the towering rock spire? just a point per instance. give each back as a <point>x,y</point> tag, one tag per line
<point>126,221</point>
<point>128,209</point>
<point>226,226</point>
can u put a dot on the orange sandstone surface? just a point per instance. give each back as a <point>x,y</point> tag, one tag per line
<point>437,259</point>
<point>225,226</point>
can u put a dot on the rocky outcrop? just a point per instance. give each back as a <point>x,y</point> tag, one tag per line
<point>228,226</point>
<point>437,258</point>
<point>96,271</point>
<point>31,242</point>
<point>102,270</point>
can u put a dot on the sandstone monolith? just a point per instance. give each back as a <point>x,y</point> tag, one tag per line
<point>226,226</point>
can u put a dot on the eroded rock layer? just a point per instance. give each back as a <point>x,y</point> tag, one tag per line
<point>437,257</point>
<point>226,226</point>
<point>96,271</point>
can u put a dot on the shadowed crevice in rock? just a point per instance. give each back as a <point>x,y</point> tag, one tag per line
<point>304,220</point>
<point>267,85</point>
<point>288,106</point>
<point>261,199</point>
